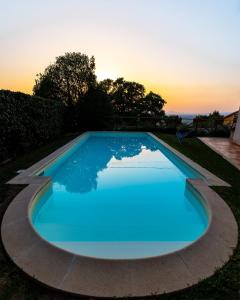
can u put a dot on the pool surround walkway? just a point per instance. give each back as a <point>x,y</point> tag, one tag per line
<point>224,147</point>
<point>81,275</point>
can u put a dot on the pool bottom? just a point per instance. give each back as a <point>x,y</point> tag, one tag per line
<point>121,250</point>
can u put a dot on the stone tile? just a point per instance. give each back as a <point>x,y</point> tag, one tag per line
<point>45,263</point>
<point>206,256</point>
<point>19,207</point>
<point>224,228</point>
<point>108,278</point>
<point>97,277</point>
<point>18,237</point>
<point>226,148</point>
<point>160,275</point>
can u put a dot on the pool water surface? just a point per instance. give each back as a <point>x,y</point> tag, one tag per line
<point>120,196</point>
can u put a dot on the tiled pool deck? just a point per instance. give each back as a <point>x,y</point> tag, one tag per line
<point>225,147</point>
<point>77,274</point>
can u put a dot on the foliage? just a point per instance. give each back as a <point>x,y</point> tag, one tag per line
<point>152,105</point>
<point>71,80</point>
<point>215,115</point>
<point>106,86</point>
<point>128,98</point>
<point>27,121</point>
<point>93,110</point>
<point>210,125</point>
<point>209,121</point>
<point>68,79</point>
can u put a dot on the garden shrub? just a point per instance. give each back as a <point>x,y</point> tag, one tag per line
<point>27,122</point>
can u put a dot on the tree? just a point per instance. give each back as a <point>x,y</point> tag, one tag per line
<point>71,80</point>
<point>68,79</point>
<point>126,96</point>
<point>106,86</point>
<point>151,105</point>
<point>215,119</point>
<point>215,115</point>
<point>93,109</point>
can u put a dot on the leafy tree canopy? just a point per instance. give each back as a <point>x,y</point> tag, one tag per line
<point>215,115</point>
<point>212,116</point>
<point>152,105</point>
<point>71,79</point>
<point>68,79</point>
<point>128,98</point>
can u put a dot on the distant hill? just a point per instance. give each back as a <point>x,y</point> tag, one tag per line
<point>188,118</point>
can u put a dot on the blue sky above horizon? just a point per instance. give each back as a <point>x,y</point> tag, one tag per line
<point>186,50</point>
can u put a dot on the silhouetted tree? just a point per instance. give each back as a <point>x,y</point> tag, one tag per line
<point>94,107</point>
<point>126,96</point>
<point>106,86</point>
<point>210,121</point>
<point>215,119</point>
<point>68,79</point>
<point>152,105</point>
<point>215,115</point>
<point>71,80</point>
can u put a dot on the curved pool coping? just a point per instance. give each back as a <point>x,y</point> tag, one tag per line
<point>76,274</point>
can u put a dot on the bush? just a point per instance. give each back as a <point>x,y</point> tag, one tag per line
<point>27,122</point>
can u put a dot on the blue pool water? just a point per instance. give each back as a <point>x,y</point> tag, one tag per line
<point>119,195</point>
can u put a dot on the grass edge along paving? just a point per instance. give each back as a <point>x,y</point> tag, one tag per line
<point>224,284</point>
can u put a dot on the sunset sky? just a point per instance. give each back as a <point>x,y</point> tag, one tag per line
<point>186,50</point>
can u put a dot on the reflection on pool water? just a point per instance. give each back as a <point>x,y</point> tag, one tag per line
<point>119,195</point>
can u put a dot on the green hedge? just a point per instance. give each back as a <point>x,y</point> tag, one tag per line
<point>27,122</point>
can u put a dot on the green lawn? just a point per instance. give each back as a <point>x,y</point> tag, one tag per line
<point>225,284</point>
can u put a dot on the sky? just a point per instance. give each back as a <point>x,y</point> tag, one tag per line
<point>188,51</point>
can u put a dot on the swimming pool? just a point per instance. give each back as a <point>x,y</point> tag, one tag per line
<point>119,196</point>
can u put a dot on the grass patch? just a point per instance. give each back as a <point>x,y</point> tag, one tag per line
<point>224,284</point>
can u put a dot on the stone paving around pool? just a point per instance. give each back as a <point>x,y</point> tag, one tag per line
<point>225,147</point>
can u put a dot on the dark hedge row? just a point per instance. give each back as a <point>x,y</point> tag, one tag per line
<point>27,122</point>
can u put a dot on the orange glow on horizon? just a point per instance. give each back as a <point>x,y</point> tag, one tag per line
<point>180,99</point>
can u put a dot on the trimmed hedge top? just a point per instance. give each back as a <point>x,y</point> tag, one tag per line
<point>27,122</point>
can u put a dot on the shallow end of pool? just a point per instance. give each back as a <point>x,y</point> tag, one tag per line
<point>121,250</point>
